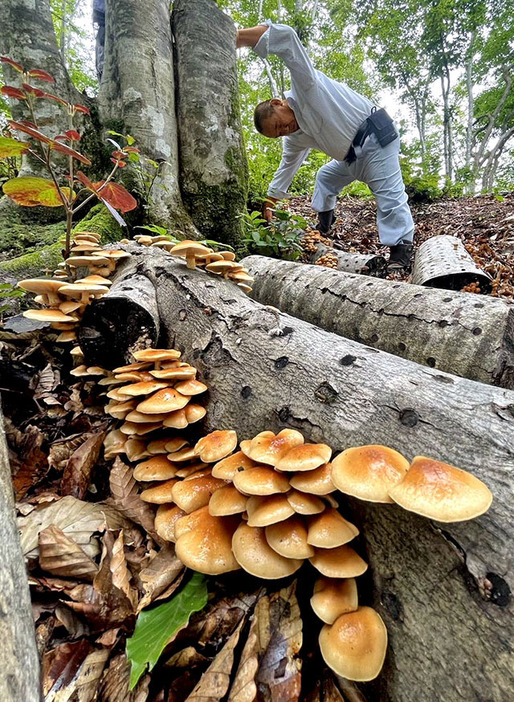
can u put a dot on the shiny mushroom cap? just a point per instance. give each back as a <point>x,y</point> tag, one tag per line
<point>227,501</point>
<point>369,472</point>
<point>156,355</point>
<point>261,480</point>
<point>50,315</point>
<point>216,445</point>
<point>142,387</point>
<point>43,286</point>
<point>315,482</point>
<point>255,555</point>
<point>263,511</point>
<point>330,529</point>
<point>354,646</point>
<point>302,503</point>
<point>165,519</point>
<point>333,597</point>
<point>227,467</point>
<point>304,458</point>
<point>340,562</point>
<point>268,448</point>
<point>156,468</point>
<point>194,493</point>
<point>160,494</point>
<point>208,547</point>
<point>289,538</point>
<point>166,400</point>
<point>442,492</point>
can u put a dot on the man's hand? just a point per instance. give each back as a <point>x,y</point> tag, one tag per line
<point>250,36</point>
<point>269,206</point>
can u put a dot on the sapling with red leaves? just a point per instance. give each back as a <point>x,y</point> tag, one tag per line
<point>30,191</point>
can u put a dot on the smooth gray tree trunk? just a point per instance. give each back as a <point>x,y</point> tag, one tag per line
<point>460,333</point>
<point>213,166</point>
<point>443,590</point>
<point>19,664</point>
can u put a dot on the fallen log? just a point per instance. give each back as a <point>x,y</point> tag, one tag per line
<point>447,586</point>
<point>460,333</point>
<point>19,665</point>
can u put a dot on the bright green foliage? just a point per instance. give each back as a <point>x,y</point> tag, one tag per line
<point>74,33</point>
<point>12,147</point>
<point>280,239</point>
<point>157,626</point>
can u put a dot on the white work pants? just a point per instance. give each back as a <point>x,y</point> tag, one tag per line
<point>379,168</point>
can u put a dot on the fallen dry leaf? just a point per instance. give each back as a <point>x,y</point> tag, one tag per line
<point>115,684</point>
<point>78,520</point>
<point>29,461</point>
<point>125,496</point>
<point>77,473</point>
<point>162,571</point>
<point>61,556</point>
<point>215,681</point>
<point>121,575</point>
<point>60,666</point>
<point>62,449</point>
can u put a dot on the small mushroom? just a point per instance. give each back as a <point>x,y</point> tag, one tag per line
<point>268,448</point>
<point>340,562</point>
<point>441,492</point>
<point>330,529</point>
<point>315,482</point>
<point>303,503</point>
<point>50,315</point>
<point>191,387</point>
<point>255,555</point>
<point>194,493</point>
<point>165,400</point>
<point>190,250</point>
<point>156,468</point>
<point>261,480</point>
<point>227,467</point>
<point>160,494</point>
<point>354,646</point>
<point>227,501</point>
<point>369,472</point>
<point>208,547</point>
<point>216,445</point>
<point>305,457</point>
<point>263,511</point>
<point>165,519</point>
<point>289,538</point>
<point>333,597</point>
<point>43,286</point>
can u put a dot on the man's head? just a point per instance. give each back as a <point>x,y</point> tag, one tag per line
<point>275,118</point>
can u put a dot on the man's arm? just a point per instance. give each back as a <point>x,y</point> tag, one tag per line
<point>292,159</point>
<point>250,36</point>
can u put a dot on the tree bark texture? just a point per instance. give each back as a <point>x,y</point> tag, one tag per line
<point>460,333</point>
<point>444,591</point>
<point>137,96</point>
<point>19,664</point>
<point>213,166</point>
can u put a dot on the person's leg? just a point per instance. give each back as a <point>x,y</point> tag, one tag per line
<point>330,180</point>
<point>380,169</point>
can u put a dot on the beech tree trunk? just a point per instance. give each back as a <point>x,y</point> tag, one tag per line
<point>19,664</point>
<point>460,333</point>
<point>213,168</point>
<point>444,591</point>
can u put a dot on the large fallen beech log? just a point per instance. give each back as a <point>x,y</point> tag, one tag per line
<point>19,665</point>
<point>443,591</point>
<point>459,333</point>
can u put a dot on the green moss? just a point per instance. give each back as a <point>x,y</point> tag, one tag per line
<point>100,220</point>
<point>35,264</point>
<point>19,235</point>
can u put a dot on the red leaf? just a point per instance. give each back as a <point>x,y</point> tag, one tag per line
<point>41,75</point>
<point>34,91</point>
<point>27,123</point>
<point>73,135</point>
<point>55,98</point>
<point>82,178</point>
<point>30,130</point>
<point>81,108</point>
<point>31,191</point>
<point>131,149</point>
<point>121,164</point>
<point>12,92</point>
<point>16,66</point>
<point>118,154</point>
<point>116,195</point>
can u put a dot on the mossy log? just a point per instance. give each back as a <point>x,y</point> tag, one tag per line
<point>443,590</point>
<point>460,333</point>
<point>19,665</point>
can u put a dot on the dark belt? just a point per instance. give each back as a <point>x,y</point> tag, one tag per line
<point>363,133</point>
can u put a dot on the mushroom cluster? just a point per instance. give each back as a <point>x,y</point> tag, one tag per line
<point>431,488</point>
<point>154,393</point>
<point>329,260</point>
<point>64,296</point>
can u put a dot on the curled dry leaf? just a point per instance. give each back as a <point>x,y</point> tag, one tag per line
<point>115,684</point>
<point>29,462</point>
<point>215,681</point>
<point>121,575</point>
<point>61,450</point>
<point>269,659</point>
<point>78,520</point>
<point>162,571</point>
<point>77,473</point>
<point>125,497</point>
<point>60,666</point>
<point>60,555</point>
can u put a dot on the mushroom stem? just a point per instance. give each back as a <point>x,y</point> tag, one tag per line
<point>190,262</point>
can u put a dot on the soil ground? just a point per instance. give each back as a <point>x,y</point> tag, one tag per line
<point>484,223</point>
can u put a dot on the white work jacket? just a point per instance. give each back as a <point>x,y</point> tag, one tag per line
<point>328,113</point>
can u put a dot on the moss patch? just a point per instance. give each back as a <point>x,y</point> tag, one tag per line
<point>100,220</point>
<point>18,235</point>
<point>35,264</point>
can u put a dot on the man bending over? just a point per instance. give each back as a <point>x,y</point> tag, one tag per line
<point>321,113</point>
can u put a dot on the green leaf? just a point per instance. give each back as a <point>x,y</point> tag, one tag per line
<point>130,140</point>
<point>155,627</point>
<point>12,147</point>
<point>31,191</point>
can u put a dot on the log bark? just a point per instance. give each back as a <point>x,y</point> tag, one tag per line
<point>468,335</point>
<point>137,97</point>
<point>19,664</point>
<point>444,591</point>
<point>213,166</point>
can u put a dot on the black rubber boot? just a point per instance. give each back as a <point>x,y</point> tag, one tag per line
<point>400,257</point>
<point>325,221</point>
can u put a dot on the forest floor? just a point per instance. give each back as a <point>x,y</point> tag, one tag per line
<point>484,223</point>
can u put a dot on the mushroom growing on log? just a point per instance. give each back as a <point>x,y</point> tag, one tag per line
<point>455,332</point>
<point>268,370</point>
